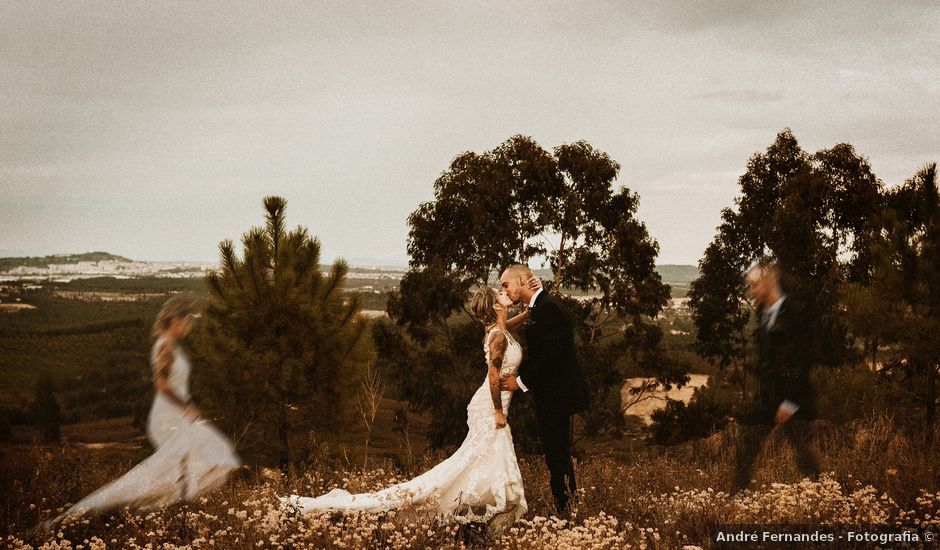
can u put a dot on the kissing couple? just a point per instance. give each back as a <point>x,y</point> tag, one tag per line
<point>481,483</point>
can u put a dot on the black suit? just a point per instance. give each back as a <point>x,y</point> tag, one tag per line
<point>551,372</point>
<point>785,356</point>
<point>785,352</point>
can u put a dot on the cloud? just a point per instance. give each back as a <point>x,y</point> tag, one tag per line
<point>742,96</point>
<point>175,119</point>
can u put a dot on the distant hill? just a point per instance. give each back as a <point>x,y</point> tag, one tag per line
<point>7,264</point>
<point>677,274</point>
<point>672,274</point>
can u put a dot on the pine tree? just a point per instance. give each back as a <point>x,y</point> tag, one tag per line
<point>898,309</point>
<point>284,341</point>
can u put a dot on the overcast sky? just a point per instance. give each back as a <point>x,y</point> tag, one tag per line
<point>154,129</point>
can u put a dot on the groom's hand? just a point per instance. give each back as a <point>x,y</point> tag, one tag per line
<point>508,383</point>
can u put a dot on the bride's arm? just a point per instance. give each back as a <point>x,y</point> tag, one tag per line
<point>497,347</point>
<point>517,320</point>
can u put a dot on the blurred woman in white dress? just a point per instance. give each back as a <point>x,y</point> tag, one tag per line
<point>191,455</point>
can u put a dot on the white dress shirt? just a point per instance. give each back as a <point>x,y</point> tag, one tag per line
<point>534,296</point>
<point>531,305</point>
<point>770,316</point>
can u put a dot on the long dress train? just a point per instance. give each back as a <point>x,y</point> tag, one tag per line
<point>190,457</point>
<point>480,482</point>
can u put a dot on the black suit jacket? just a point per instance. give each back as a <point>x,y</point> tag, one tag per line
<point>550,368</point>
<point>786,352</point>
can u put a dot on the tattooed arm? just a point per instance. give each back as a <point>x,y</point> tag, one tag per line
<point>497,344</point>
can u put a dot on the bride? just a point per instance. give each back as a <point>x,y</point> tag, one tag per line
<point>480,482</point>
<point>191,455</point>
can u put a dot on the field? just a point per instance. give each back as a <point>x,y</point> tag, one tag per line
<point>660,498</point>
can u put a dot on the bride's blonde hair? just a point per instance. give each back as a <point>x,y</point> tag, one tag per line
<point>174,309</point>
<point>481,305</point>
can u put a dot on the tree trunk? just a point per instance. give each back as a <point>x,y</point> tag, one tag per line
<point>561,263</point>
<point>931,398</point>
<point>742,380</point>
<point>283,433</point>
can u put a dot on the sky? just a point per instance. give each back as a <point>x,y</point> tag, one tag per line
<point>154,129</point>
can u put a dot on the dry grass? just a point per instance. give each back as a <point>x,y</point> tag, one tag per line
<point>660,498</point>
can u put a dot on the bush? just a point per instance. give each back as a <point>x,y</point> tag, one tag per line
<point>855,391</point>
<point>707,412</point>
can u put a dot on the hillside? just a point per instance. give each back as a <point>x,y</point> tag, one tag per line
<point>677,274</point>
<point>9,263</point>
<point>672,274</point>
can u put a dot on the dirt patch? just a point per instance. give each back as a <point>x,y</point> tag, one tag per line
<point>644,405</point>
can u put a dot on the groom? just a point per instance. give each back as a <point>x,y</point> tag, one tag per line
<point>551,373</point>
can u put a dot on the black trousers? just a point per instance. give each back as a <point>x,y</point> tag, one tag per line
<point>555,432</point>
<point>795,431</point>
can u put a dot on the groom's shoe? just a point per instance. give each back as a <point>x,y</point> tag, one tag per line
<point>472,533</point>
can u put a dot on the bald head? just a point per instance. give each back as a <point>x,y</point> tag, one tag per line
<point>513,281</point>
<point>518,270</point>
<point>762,284</point>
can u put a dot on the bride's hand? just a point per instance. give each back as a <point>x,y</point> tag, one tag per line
<point>500,419</point>
<point>498,308</point>
<point>534,283</point>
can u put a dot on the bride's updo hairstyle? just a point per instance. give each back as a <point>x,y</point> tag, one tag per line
<point>176,308</point>
<point>481,305</point>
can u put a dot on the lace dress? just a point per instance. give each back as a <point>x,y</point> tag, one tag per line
<point>190,457</point>
<point>479,483</point>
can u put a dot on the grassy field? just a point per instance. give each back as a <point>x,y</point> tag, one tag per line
<point>657,498</point>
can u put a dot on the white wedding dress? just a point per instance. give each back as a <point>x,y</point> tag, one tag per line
<point>479,483</point>
<point>190,457</point>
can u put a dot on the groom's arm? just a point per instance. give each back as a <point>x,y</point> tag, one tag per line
<point>798,352</point>
<point>552,325</point>
<point>514,383</point>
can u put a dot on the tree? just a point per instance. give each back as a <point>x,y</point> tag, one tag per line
<point>516,203</point>
<point>813,214</point>
<point>898,307</point>
<point>47,415</point>
<point>283,340</point>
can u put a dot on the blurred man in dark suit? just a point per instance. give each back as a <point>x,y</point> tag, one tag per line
<point>785,355</point>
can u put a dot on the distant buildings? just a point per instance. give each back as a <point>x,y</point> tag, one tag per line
<point>107,268</point>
